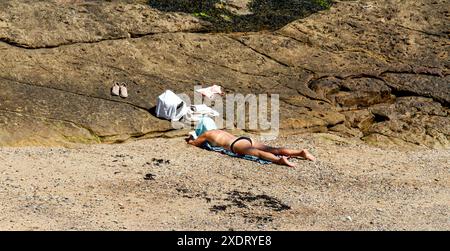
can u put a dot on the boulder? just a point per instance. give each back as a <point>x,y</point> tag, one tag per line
<point>376,70</point>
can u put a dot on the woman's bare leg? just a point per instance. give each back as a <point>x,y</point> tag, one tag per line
<point>263,155</point>
<point>285,151</point>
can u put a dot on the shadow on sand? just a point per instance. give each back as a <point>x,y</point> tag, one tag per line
<point>258,15</point>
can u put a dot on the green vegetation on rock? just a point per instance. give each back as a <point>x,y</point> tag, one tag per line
<point>245,15</point>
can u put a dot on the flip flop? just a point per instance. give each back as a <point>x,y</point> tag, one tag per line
<point>123,90</point>
<point>115,90</point>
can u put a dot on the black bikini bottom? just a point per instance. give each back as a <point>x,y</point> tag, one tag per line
<point>240,138</point>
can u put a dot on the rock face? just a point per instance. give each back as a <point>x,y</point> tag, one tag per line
<point>377,70</point>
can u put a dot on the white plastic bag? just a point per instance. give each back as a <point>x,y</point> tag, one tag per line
<point>170,106</point>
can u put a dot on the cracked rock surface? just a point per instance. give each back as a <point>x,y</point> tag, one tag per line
<point>375,70</point>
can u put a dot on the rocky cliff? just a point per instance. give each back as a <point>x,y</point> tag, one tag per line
<point>376,70</point>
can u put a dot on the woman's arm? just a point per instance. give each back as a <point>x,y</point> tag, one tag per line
<point>199,141</point>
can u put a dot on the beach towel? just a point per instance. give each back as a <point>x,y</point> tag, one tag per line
<point>222,150</point>
<point>196,112</point>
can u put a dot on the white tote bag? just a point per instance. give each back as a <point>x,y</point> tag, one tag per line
<point>170,106</point>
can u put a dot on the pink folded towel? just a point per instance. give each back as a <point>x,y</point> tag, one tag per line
<point>210,91</point>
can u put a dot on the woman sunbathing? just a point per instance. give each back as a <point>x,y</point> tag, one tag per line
<point>246,146</point>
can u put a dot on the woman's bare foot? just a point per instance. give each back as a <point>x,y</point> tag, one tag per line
<point>307,155</point>
<point>284,161</point>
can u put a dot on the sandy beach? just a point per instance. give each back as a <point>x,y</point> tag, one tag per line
<point>364,85</point>
<point>165,184</point>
